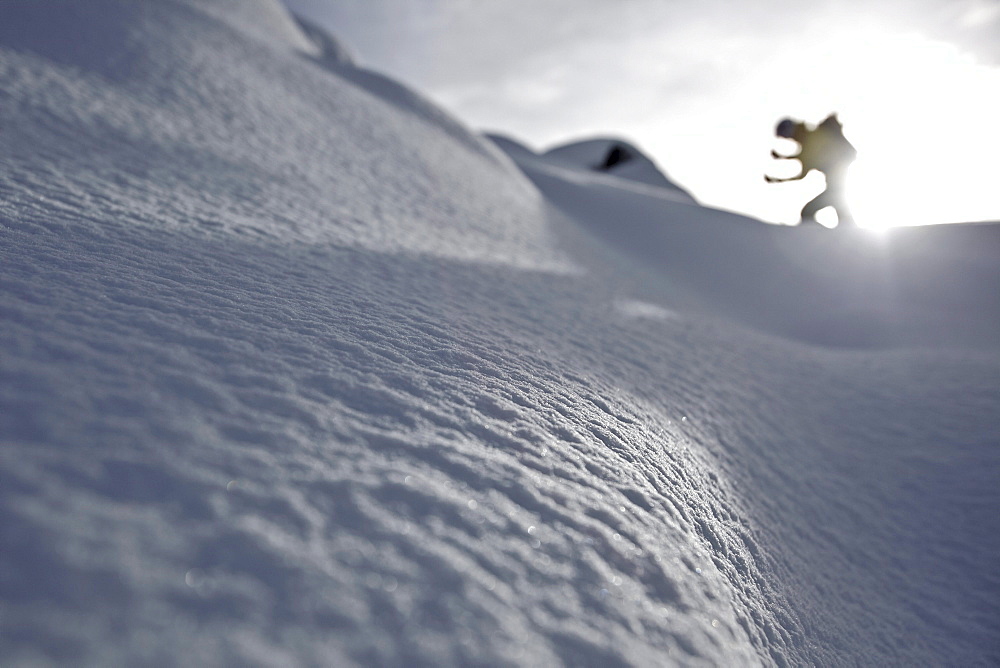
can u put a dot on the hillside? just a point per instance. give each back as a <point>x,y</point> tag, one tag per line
<point>300,370</point>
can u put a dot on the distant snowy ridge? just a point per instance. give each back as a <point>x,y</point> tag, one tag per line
<point>298,370</point>
<point>615,157</point>
<point>842,288</point>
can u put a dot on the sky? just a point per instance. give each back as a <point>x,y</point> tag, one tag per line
<point>700,85</point>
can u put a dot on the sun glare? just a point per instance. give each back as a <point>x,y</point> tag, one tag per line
<point>921,113</point>
<point>923,117</point>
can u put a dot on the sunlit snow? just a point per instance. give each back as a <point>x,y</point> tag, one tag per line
<point>297,369</point>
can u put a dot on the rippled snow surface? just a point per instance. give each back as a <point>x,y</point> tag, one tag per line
<point>296,370</point>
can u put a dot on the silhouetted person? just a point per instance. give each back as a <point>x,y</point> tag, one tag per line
<point>825,149</point>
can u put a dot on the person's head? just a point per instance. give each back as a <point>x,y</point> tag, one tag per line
<point>786,128</point>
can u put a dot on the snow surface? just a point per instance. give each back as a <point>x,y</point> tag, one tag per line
<point>298,370</point>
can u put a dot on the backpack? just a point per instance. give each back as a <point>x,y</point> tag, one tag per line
<point>830,148</point>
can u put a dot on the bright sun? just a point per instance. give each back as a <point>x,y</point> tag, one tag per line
<point>923,116</point>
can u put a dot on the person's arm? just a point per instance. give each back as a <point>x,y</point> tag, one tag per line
<point>794,156</point>
<point>798,177</point>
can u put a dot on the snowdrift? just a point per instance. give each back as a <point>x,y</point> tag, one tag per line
<point>298,370</point>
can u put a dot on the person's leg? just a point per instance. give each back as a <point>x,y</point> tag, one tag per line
<point>836,192</point>
<point>821,201</point>
<point>844,217</point>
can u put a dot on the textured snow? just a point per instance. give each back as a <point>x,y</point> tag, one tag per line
<point>298,370</point>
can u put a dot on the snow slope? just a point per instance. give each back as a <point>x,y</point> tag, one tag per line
<point>297,370</point>
<point>853,288</point>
